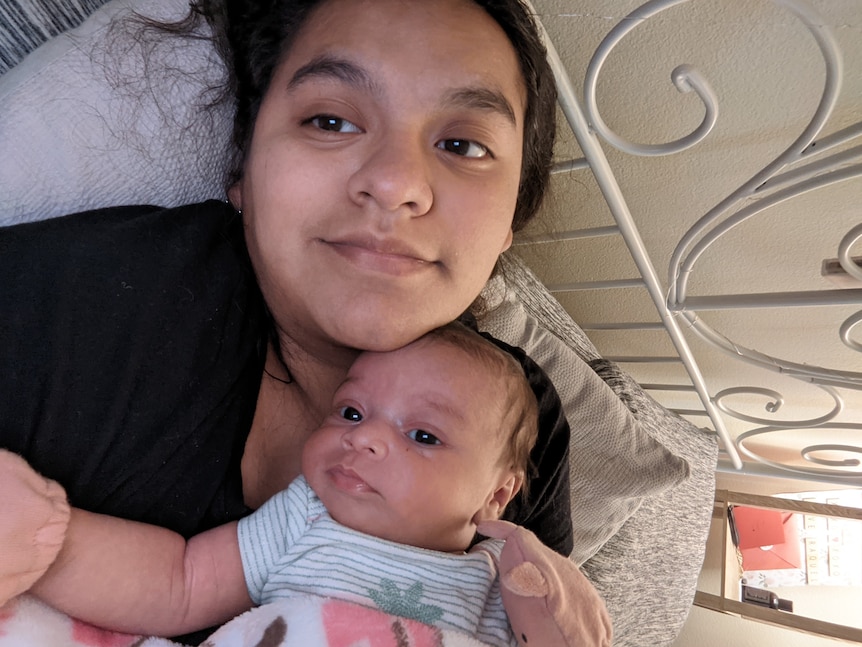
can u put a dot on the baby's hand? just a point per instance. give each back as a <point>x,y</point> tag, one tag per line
<point>34,515</point>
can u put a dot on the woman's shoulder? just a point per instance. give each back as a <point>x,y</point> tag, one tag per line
<point>122,220</point>
<point>198,242</point>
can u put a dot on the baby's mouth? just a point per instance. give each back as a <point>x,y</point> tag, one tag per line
<point>346,479</point>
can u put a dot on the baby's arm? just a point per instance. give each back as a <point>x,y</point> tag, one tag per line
<point>143,579</point>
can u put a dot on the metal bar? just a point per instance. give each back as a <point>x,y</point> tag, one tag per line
<point>570,165</point>
<point>850,296</point>
<point>603,173</point>
<point>573,234</point>
<point>632,325</point>
<point>690,412</point>
<point>642,359</point>
<point>668,387</point>
<point>596,285</point>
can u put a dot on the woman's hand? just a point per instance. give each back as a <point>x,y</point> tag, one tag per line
<point>34,515</point>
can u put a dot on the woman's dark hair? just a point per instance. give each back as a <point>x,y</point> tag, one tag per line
<point>254,36</point>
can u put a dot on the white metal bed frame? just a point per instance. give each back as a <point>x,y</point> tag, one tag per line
<point>789,175</point>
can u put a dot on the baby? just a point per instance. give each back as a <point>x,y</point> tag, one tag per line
<point>421,445</point>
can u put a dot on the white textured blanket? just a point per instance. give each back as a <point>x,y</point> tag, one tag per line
<point>301,622</point>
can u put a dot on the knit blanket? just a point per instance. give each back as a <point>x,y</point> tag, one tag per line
<point>301,622</point>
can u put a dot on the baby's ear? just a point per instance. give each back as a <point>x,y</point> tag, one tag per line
<point>499,498</point>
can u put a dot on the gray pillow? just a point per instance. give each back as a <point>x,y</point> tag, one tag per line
<point>99,116</point>
<point>614,463</point>
<point>26,24</point>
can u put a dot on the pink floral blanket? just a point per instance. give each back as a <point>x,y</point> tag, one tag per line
<point>301,622</point>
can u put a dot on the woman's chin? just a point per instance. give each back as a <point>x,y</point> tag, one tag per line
<point>388,334</point>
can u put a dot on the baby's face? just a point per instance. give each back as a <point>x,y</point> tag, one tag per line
<point>411,450</point>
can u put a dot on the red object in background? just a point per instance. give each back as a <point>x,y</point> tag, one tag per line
<point>757,527</point>
<point>768,539</point>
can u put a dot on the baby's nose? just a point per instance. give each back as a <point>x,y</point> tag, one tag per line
<point>367,437</point>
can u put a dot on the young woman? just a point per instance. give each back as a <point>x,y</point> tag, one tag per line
<point>167,366</point>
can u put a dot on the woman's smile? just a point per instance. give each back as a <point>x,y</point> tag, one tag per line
<point>384,256</point>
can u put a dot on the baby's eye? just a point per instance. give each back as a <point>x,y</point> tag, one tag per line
<point>350,413</point>
<point>334,124</point>
<point>463,148</point>
<point>423,437</point>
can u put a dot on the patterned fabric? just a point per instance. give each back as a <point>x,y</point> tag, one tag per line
<point>291,547</point>
<point>299,622</point>
<point>26,24</point>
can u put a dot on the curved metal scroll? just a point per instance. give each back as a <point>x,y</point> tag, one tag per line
<point>789,175</point>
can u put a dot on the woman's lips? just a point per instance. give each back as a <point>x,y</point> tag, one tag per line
<point>386,257</point>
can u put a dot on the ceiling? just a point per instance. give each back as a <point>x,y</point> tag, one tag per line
<point>768,75</point>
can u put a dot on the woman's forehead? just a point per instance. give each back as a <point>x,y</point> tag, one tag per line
<point>452,42</point>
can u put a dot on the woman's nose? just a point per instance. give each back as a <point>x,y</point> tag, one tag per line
<point>394,178</point>
<point>368,438</point>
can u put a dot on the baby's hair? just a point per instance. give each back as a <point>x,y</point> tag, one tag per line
<point>520,410</point>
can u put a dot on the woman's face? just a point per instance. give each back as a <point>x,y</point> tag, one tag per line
<point>383,172</point>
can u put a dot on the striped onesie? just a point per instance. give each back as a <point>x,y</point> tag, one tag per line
<point>291,547</point>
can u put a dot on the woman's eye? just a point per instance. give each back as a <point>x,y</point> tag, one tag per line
<point>350,413</point>
<point>463,148</point>
<point>334,124</point>
<point>423,437</point>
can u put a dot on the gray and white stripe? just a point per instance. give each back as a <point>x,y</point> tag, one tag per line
<point>26,24</point>
<point>292,547</point>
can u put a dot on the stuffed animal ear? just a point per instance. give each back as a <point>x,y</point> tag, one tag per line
<point>550,603</point>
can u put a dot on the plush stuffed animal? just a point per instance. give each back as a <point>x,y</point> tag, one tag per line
<point>549,601</point>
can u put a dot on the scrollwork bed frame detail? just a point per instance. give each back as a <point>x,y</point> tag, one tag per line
<point>806,165</point>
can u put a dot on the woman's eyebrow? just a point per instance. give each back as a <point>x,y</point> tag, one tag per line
<point>331,67</point>
<point>480,98</point>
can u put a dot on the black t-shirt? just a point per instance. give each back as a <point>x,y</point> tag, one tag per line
<point>131,355</point>
<point>132,343</point>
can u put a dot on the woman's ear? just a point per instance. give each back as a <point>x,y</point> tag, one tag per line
<point>499,498</point>
<point>508,242</point>
<point>234,195</point>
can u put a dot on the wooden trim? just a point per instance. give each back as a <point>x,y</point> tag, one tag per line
<point>728,600</point>
<point>790,505</point>
<point>778,618</point>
